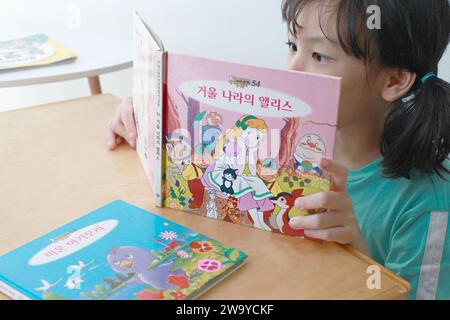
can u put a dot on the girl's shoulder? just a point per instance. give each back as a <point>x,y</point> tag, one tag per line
<point>441,185</point>
<point>430,192</point>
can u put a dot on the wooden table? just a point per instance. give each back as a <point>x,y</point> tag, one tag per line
<point>97,55</point>
<point>54,167</point>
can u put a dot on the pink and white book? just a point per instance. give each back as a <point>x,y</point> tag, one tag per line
<point>229,141</point>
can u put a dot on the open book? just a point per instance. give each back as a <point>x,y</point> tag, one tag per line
<point>229,141</point>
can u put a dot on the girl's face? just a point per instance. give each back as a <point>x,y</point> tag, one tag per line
<point>252,137</point>
<point>311,51</point>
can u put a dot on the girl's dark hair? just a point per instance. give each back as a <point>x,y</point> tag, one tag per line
<point>414,35</point>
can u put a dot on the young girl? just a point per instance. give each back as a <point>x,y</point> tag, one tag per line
<point>391,182</point>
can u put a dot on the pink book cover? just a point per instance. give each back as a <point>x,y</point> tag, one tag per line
<point>241,143</point>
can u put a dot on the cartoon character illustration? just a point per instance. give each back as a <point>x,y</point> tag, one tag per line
<point>230,212</point>
<point>308,152</point>
<point>211,205</point>
<point>47,286</point>
<point>192,173</point>
<point>238,149</point>
<point>268,170</point>
<point>137,260</point>
<point>210,132</point>
<point>81,265</point>
<point>203,156</point>
<point>278,218</point>
<point>76,279</point>
<point>229,176</point>
<point>178,147</point>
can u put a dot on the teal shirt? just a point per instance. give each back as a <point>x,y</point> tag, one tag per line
<point>405,226</point>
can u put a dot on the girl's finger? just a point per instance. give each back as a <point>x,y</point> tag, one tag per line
<point>337,234</point>
<point>328,200</point>
<point>318,221</point>
<point>339,173</point>
<point>130,126</point>
<point>111,140</point>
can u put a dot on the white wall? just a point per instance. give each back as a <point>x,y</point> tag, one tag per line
<point>246,31</point>
<point>214,28</point>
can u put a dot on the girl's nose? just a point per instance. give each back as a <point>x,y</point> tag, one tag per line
<point>296,63</point>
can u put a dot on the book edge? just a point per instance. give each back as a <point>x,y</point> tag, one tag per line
<point>15,292</point>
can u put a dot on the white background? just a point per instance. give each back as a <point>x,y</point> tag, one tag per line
<point>245,31</point>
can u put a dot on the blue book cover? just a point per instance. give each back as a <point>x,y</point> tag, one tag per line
<point>117,252</point>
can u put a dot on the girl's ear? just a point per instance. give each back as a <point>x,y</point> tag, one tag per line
<point>398,82</point>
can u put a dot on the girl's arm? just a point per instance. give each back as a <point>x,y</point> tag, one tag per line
<point>419,252</point>
<point>338,223</point>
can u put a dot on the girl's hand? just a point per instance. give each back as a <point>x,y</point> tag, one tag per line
<point>122,126</point>
<point>338,222</point>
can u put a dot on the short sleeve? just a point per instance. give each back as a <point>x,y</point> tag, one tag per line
<point>419,252</point>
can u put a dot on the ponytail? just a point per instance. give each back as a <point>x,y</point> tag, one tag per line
<point>417,131</point>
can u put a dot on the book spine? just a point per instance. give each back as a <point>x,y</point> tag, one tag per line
<point>12,292</point>
<point>138,107</point>
<point>160,77</point>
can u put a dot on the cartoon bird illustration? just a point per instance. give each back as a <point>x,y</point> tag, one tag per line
<point>278,218</point>
<point>74,282</point>
<point>80,266</point>
<point>46,286</point>
<point>137,260</point>
<point>83,265</point>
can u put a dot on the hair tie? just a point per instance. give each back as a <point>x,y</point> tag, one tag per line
<point>428,76</point>
<point>243,123</point>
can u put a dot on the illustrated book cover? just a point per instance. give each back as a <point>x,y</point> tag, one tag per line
<point>117,252</point>
<point>229,141</point>
<point>33,51</point>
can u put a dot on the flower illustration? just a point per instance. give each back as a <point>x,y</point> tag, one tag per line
<point>202,247</point>
<point>178,295</point>
<point>183,254</point>
<point>168,235</point>
<point>148,295</point>
<point>209,265</point>
<point>174,204</point>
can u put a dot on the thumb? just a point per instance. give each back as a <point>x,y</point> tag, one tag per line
<point>338,172</point>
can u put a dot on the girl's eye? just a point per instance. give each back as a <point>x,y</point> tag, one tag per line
<point>292,46</point>
<point>129,256</point>
<point>319,57</point>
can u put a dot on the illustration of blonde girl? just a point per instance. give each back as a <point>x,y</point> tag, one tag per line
<point>238,150</point>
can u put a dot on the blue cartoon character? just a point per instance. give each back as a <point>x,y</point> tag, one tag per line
<point>210,132</point>
<point>308,152</point>
<point>137,260</point>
